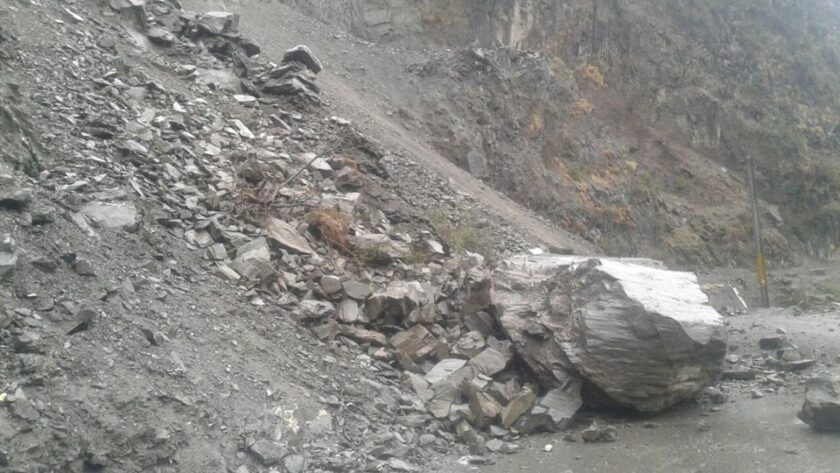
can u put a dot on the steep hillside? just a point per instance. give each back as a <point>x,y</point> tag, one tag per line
<point>631,120</point>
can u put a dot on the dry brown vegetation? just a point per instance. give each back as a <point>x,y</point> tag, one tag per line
<point>581,108</point>
<point>590,75</point>
<point>331,226</point>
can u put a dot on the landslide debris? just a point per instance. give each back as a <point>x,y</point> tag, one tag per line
<point>207,274</point>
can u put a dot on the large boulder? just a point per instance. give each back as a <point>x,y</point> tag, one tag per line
<point>821,409</point>
<point>643,335</point>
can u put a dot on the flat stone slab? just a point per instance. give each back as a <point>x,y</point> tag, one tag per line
<point>287,236</point>
<point>110,214</point>
<point>444,369</point>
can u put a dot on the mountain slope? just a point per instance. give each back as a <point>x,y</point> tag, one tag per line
<point>673,89</point>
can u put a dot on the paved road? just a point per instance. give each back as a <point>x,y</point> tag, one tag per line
<point>747,436</point>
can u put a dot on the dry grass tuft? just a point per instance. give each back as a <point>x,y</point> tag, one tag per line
<point>331,226</point>
<point>590,74</point>
<point>581,108</point>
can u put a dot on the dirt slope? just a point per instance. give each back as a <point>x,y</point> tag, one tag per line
<point>365,97</point>
<point>628,122</point>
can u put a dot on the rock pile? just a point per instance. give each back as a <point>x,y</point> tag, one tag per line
<point>513,360</point>
<point>273,208</point>
<point>781,365</point>
<point>295,76</point>
<point>151,167</point>
<point>218,32</point>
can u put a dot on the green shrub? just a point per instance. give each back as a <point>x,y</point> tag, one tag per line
<point>460,237</point>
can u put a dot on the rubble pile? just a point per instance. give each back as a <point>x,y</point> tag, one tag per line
<point>509,351</point>
<point>218,32</point>
<point>780,365</point>
<point>295,76</point>
<point>167,191</point>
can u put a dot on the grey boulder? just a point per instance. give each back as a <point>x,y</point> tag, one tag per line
<point>305,56</point>
<point>218,22</point>
<point>645,336</point>
<point>821,409</point>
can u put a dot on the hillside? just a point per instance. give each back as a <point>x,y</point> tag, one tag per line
<point>368,236</point>
<point>628,122</point>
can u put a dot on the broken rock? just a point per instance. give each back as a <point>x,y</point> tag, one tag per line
<point>597,433</point>
<point>490,362</point>
<point>423,315</point>
<point>8,256</point>
<point>484,407</point>
<point>821,409</point>
<point>110,215</point>
<point>267,452</point>
<point>218,22</point>
<point>363,335</point>
<point>348,312</point>
<point>415,343</point>
<point>520,405</point>
<point>357,290</point>
<point>395,303</point>
<point>381,248</point>
<point>226,272</point>
<point>295,464</point>
<point>250,47</point>
<point>315,310</point>
<point>303,55</point>
<point>470,344</point>
<point>287,236</point>
<point>15,199</point>
<point>254,250</point>
<point>775,342</point>
<point>330,284</point>
<point>644,335</point>
<point>562,403</point>
<point>444,369</point>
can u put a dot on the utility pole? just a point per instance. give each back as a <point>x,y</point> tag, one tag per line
<point>761,265</point>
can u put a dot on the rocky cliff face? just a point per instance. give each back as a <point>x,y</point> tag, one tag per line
<point>631,121</point>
